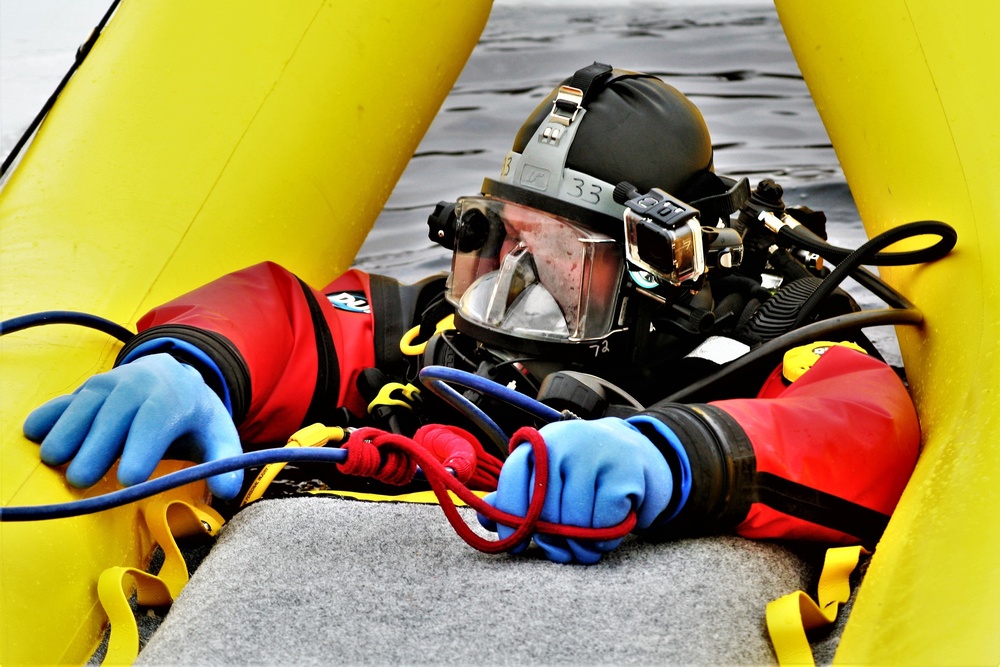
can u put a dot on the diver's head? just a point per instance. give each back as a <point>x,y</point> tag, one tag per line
<point>539,263</point>
<point>600,127</point>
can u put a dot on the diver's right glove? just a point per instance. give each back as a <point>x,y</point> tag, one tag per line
<point>598,472</point>
<point>137,411</point>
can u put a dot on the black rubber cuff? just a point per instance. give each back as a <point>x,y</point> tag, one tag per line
<point>723,469</point>
<point>220,349</point>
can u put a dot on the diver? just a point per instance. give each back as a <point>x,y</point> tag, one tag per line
<point>607,271</point>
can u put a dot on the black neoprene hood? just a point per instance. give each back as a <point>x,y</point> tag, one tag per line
<point>637,129</point>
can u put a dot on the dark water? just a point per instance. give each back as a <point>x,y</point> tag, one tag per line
<point>732,61</point>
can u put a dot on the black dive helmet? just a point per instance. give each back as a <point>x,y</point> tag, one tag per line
<point>546,263</point>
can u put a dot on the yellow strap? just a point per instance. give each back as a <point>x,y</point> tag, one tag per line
<point>166,519</point>
<point>314,435</point>
<point>114,587</point>
<point>791,615</point>
<point>416,497</point>
<point>406,345</point>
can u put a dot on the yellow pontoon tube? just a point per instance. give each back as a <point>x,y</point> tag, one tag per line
<point>196,138</point>
<point>906,89</point>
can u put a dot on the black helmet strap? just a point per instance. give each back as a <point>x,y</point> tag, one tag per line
<point>590,80</point>
<point>734,194</point>
<point>594,78</point>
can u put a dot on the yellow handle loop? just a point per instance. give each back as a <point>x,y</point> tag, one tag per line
<point>169,519</point>
<point>791,615</point>
<point>406,345</point>
<point>114,587</point>
<point>166,520</point>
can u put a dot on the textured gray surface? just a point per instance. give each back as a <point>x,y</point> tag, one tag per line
<point>321,580</point>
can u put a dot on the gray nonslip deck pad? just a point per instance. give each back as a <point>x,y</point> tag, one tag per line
<point>332,581</point>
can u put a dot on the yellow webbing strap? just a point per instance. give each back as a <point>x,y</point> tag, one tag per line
<point>178,518</point>
<point>166,520</point>
<point>114,588</point>
<point>416,497</point>
<point>791,615</point>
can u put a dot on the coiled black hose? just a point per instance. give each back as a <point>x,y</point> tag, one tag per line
<point>849,262</point>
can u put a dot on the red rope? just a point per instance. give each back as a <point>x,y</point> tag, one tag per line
<point>365,459</point>
<point>389,457</point>
<point>457,448</point>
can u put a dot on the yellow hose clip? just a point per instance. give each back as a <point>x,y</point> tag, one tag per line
<point>406,345</point>
<point>314,435</point>
<point>410,394</point>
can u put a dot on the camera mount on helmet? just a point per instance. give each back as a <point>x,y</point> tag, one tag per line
<point>662,234</point>
<point>665,238</point>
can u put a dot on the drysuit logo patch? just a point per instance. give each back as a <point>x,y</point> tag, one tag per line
<point>354,302</point>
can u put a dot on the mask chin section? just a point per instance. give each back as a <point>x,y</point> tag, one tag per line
<point>535,312</point>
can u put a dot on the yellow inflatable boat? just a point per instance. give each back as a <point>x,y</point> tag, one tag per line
<point>164,148</point>
<point>905,90</point>
<point>196,138</point>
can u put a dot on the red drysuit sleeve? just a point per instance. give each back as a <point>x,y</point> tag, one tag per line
<point>285,352</point>
<point>847,427</point>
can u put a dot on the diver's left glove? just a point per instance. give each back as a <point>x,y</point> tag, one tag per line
<point>137,411</point>
<point>598,472</point>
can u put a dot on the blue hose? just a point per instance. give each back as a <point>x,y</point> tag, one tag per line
<point>494,389</point>
<point>435,377</point>
<point>65,317</point>
<point>489,427</point>
<point>173,480</point>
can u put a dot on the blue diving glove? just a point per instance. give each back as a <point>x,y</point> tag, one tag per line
<point>136,412</point>
<point>598,472</point>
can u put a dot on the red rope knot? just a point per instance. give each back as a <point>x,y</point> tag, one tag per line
<point>366,457</point>
<point>451,446</point>
<point>461,451</point>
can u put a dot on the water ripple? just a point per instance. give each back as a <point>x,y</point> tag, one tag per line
<point>733,62</point>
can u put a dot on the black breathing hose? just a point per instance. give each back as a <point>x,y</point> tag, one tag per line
<point>714,387</point>
<point>806,239</point>
<point>65,317</point>
<point>849,263</point>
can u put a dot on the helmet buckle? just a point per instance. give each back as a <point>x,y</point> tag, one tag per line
<point>567,105</point>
